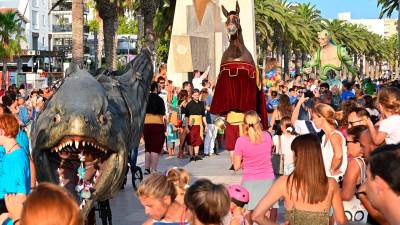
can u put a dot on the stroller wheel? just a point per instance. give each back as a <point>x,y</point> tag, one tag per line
<point>137,176</point>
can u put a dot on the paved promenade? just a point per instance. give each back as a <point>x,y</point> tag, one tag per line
<point>126,209</point>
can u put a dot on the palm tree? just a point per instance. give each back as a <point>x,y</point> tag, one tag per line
<point>392,54</point>
<point>98,28</point>
<point>312,23</point>
<point>10,38</point>
<point>388,7</point>
<point>109,12</point>
<point>269,20</point>
<point>148,9</point>
<point>163,27</point>
<point>77,32</point>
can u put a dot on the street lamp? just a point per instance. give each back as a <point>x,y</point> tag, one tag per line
<point>128,39</point>
<point>140,19</point>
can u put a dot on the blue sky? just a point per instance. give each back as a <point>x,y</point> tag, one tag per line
<point>360,9</point>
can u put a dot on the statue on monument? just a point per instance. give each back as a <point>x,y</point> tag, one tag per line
<point>330,59</point>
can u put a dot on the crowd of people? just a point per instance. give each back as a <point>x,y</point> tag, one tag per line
<point>324,136</point>
<point>330,155</point>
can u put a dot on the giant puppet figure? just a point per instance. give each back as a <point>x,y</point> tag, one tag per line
<point>238,87</point>
<point>330,59</point>
<point>82,138</point>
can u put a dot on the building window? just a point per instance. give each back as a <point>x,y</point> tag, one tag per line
<point>35,18</point>
<point>35,41</point>
<point>43,20</point>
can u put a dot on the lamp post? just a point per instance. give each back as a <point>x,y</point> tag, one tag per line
<point>95,43</point>
<point>140,19</point>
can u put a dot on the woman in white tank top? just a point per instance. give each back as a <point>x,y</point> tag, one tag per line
<point>333,144</point>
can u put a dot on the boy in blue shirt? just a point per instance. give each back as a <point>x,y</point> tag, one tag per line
<point>346,91</point>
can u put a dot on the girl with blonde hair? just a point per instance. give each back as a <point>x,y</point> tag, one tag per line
<point>253,155</point>
<point>334,149</point>
<point>180,178</point>
<point>157,194</point>
<point>389,107</point>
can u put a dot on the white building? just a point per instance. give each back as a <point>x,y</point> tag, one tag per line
<point>61,27</point>
<point>383,27</point>
<point>37,30</point>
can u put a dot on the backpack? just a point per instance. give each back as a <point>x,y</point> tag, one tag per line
<point>311,129</point>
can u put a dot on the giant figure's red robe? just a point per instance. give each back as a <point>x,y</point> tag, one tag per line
<point>236,90</point>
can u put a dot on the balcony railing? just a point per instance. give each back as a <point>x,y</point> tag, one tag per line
<point>67,6</point>
<point>63,7</point>
<point>65,48</point>
<point>67,28</point>
<point>68,48</point>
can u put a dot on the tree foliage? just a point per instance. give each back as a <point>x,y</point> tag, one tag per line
<point>284,28</point>
<point>127,25</point>
<point>11,35</point>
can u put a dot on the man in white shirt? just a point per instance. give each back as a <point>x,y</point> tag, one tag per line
<point>163,93</point>
<point>198,79</point>
<point>303,126</point>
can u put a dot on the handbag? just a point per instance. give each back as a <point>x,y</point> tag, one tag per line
<point>277,159</point>
<point>355,211</point>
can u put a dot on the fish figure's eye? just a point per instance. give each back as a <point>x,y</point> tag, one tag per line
<point>57,118</point>
<point>102,119</point>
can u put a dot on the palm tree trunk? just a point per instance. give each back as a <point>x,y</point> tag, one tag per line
<point>286,53</point>
<point>108,11</point>
<point>398,26</point>
<point>298,60</point>
<point>110,26</point>
<point>77,32</point>
<point>148,10</point>
<point>303,58</point>
<point>279,49</point>
<point>396,69</point>
<point>361,70</point>
<point>4,75</point>
<point>100,41</point>
<point>367,67</point>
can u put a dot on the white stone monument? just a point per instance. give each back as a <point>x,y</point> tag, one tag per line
<point>199,37</point>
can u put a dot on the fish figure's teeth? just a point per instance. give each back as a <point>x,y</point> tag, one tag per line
<point>83,143</point>
<point>76,144</point>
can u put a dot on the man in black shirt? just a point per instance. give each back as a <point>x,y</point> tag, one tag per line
<point>196,124</point>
